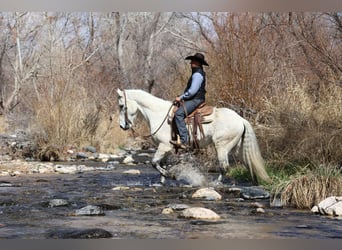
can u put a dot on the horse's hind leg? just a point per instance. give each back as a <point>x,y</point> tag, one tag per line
<point>223,150</point>
<point>222,156</point>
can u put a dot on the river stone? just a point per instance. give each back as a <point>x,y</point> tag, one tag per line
<point>128,160</point>
<point>70,169</point>
<point>251,193</point>
<point>167,210</point>
<point>89,210</point>
<point>132,171</point>
<point>42,168</point>
<point>177,207</point>
<point>207,193</point>
<point>199,213</point>
<point>96,233</point>
<point>81,155</point>
<point>58,203</point>
<point>329,206</point>
<point>5,184</point>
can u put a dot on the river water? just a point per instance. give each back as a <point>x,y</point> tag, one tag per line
<point>133,210</point>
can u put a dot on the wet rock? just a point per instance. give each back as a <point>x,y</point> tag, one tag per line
<point>89,210</point>
<point>118,188</point>
<point>132,171</point>
<point>128,160</point>
<point>330,206</point>
<point>208,194</point>
<point>260,210</point>
<point>81,155</point>
<point>96,233</point>
<point>257,205</point>
<point>251,193</point>
<point>42,168</point>
<point>167,210</point>
<point>199,213</point>
<point>58,203</point>
<point>5,184</point>
<point>178,207</point>
<point>72,169</point>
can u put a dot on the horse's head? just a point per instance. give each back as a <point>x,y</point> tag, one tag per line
<point>128,110</point>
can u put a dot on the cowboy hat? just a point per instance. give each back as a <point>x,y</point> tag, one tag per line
<point>198,57</point>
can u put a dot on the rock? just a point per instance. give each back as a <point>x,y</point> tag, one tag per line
<point>42,168</point>
<point>251,193</point>
<point>90,149</point>
<point>257,205</point>
<point>58,203</point>
<point>207,193</point>
<point>178,207</point>
<point>128,160</point>
<point>5,184</point>
<point>68,169</point>
<point>315,209</point>
<point>81,155</point>
<point>167,210</point>
<point>89,210</point>
<point>260,210</point>
<point>199,213</point>
<point>118,188</point>
<point>95,233</point>
<point>132,171</point>
<point>330,206</point>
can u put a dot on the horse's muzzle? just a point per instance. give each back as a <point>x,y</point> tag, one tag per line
<point>126,127</point>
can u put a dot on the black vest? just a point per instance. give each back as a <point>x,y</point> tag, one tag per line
<point>201,92</point>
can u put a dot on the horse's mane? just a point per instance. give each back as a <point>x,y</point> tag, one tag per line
<point>146,99</point>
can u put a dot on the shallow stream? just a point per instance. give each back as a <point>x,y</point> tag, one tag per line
<point>134,210</point>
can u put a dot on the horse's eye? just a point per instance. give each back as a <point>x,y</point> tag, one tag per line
<point>121,106</point>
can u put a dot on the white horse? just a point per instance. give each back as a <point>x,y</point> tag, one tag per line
<point>228,131</point>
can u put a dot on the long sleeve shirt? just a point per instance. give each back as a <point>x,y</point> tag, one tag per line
<point>196,82</point>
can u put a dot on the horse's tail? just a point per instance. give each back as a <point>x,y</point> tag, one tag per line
<point>251,154</point>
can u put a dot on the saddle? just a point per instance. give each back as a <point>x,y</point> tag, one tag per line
<point>195,119</point>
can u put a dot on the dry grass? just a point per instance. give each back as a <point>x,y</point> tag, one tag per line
<point>304,190</point>
<point>300,126</point>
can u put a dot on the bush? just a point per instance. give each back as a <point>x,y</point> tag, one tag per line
<point>309,186</point>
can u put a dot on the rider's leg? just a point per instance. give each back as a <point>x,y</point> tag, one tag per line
<point>185,109</point>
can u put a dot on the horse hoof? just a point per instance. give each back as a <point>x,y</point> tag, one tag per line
<point>162,180</point>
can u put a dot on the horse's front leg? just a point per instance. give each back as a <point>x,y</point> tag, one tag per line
<point>158,156</point>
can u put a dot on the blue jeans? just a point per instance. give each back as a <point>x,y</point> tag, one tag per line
<point>180,114</point>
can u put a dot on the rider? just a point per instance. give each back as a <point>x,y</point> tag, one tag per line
<point>193,96</point>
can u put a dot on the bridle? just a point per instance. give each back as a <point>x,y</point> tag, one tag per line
<point>130,122</point>
<point>127,120</point>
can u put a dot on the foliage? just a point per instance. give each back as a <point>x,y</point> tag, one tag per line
<point>308,186</point>
<point>59,72</point>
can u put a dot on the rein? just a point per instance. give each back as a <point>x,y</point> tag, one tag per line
<point>152,134</point>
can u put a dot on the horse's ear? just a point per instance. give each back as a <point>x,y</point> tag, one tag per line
<point>119,91</point>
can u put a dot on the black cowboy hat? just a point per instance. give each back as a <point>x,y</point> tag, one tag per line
<point>198,57</point>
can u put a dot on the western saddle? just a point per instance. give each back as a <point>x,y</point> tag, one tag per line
<point>195,120</point>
